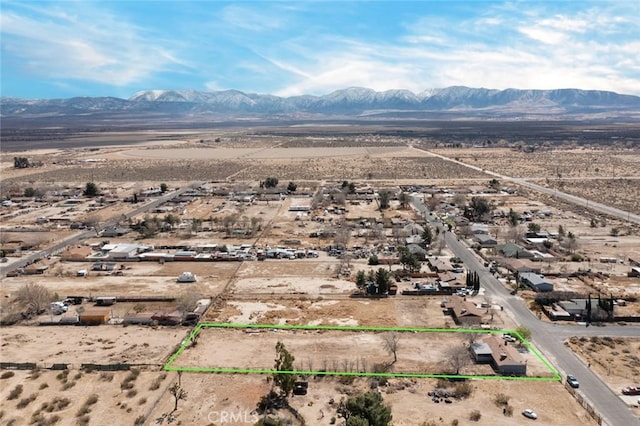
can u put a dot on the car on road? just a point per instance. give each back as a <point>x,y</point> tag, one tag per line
<point>631,390</point>
<point>530,414</point>
<point>573,382</point>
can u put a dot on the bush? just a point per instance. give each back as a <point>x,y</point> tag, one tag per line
<point>475,416</point>
<point>7,374</point>
<point>43,386</point>
<point>15,393</point>
<point>68,385</point>
<point>508,411</point>
<point>26,401</point>
<point>502,399</point>
<point>463,390</point>
<point>105,376</point>
<point>131,393</point>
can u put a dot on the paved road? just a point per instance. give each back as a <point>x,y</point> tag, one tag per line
<point>89,234</point>
<point>548,337</point>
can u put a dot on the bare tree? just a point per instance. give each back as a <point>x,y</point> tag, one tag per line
<point>458,357</point>
<point>33,297</point>
<point>188,300</point>
<point>390,342</point>
<point>514,234</point>
<point>178,393</point>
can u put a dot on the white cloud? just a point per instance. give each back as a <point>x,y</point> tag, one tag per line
<point>92,45</point>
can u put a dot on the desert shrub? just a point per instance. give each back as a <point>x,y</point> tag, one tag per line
<point>155,385</point>
<point>68,385</point>
<point>83,411</point>
<point>106,376</point>
<point>15,393</point>
<point>34,375</point>
<point>84,420</point>
<point>142,401</point>
<point>78,376</point>
<point>139,421</point>
<point>454,422</point>
<point>43,386</point>
<point>26,401</point>
<point>7,374</point>
<point>62,376</point>
<point>127,385</point>
<point>442,384</point>
<point>475,416</point>
<point>131,393</point>
<point>501,399</point>
<point>463,390</point>
<point>91,400</point>
<point>508,411</point>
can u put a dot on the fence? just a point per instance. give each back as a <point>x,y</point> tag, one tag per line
<point>585,404</point>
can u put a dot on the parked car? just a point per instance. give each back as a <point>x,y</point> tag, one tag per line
<point>573,382</point>
<point>631,390</point>
<point>530,414</point>
<point>509,338</point>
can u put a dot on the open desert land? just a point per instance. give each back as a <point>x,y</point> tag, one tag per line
<point>311,290</point>
<point>608,176</point>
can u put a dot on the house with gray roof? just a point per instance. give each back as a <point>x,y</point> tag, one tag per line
<point>536,282</point>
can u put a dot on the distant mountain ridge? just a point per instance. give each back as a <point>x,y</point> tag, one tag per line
<point>353,101</point>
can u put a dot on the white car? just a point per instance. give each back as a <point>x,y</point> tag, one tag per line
<point>509,338</point>
<point>529,413</point>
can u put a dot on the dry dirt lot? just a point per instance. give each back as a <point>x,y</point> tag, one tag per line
<point>78,398</point>
<point>333,351</point>
<point>236,396</point>
<point>100,345</point>
<point>616,360</point>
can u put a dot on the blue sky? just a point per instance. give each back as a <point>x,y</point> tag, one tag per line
<point>60,49</point>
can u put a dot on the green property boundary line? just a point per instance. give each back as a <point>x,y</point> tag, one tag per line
<point>169,365</point>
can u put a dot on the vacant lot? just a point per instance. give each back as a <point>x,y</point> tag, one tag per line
<point>101,345</point>
<point>615,359</point>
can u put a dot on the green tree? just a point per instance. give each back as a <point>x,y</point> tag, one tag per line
<point>408,259</point>
<point>366,409</point>
<point>561,231</point>
<point>427,236</point>
<point>163,188</point>
<point>270,182</point>
<point>478,208</point>
<point>383,280</point>
<point>292,187</point>
<point>91,190</point>
<point>361,279</point>
<point>373,260</point>
<point>384,199</point>
<point>30,192</point>
<point>284,362</point>
<point>514,218</point>
<point>533,227</point>
<point>524,332</point>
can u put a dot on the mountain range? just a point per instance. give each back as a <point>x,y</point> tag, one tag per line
<point>350,102</point>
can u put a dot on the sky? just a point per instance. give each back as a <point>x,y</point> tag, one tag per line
<point>62,49</point>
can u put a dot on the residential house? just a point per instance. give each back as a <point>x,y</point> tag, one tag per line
<point>485,240</point>
<point>463,312</point>
<point>514,251</point>
<point>505,358</point>
<point>536,282</point>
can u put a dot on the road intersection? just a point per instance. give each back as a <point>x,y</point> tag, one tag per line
<point>549,338</point>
